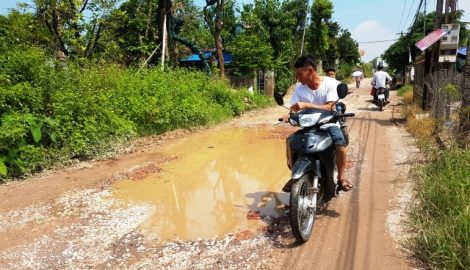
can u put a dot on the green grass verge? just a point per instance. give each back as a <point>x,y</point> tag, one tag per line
<point>404,89</point>
<point>441,216</point>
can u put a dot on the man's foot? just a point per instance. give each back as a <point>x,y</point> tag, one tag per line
<point>288,186</point>
<point>344,185</point>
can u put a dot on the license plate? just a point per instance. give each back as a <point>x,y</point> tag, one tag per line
<point>381,96</point>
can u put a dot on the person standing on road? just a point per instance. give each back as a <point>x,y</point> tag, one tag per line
<point>315,92</point>
<point>358,80</point>
<point>379,80</point>
<point>331,72</point>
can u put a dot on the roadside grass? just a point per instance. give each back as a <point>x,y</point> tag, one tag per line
<point>405,89</point>
<point>440,216</point>
<point>418,123</point>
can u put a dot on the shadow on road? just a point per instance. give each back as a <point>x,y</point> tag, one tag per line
<point>278,226</point>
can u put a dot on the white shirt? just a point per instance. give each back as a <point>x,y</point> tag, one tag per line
<point>380,79</point>
<point>326,92</point>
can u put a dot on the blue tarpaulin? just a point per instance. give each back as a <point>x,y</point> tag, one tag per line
<point>462,51</point>
<point>228,58</point>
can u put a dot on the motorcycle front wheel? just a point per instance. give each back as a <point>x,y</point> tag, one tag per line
<point>303,202</point>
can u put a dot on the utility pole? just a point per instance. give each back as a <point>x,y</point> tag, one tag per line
<point>424,26</point>
<point>465,109</point>
<point>435,48</point>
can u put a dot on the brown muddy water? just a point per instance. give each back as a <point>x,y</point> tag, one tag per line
<point>214,180</point>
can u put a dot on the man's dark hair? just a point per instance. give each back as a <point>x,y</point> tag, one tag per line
<point>380,66</point>
<point>305,61</point>
<point>330,69</point>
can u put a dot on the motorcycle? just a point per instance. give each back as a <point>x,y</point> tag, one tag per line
<point>380,98</point>
<point>312,155</point>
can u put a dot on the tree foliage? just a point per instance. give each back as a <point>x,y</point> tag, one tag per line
<point>72,32</point>
<point>318,42</point>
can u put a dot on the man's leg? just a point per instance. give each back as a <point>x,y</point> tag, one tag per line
<point>287,186</point>
<point>341,155</point>
<point>341,160</point>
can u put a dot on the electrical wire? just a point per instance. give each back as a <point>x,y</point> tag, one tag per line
<point>377,41</point>
<point>417,14</point>
<point>406,21</point>
<point>402,13</point>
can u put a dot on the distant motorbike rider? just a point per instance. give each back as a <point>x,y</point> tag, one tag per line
<point>379,80</point>
<point>318,93</point>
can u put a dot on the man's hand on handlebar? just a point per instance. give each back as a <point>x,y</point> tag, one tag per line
<point>299,106</point>
<point>284,119</point>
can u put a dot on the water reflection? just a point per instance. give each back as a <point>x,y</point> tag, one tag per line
<point>215,180</point>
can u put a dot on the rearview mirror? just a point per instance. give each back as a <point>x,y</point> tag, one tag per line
<point>278,98</point>
<point>342,90</point>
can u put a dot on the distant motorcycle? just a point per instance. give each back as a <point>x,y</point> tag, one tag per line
<point>312,155</point>
<point>380,98</point>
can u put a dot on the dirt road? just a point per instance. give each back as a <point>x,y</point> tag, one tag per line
<point>211,199</point>
<point>357,230</point>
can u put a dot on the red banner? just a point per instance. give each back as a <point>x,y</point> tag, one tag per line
<point>430,39</point>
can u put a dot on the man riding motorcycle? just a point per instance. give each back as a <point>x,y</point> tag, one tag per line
<point>379,80</point>
<point>318,93</point>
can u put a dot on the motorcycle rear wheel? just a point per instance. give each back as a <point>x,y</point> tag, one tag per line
<point>302,214</point>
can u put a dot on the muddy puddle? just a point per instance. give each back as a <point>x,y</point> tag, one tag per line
<point>213,184</point>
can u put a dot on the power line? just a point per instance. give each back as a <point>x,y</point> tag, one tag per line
<point>407,16</point>
<point>377,41</point>
<point>417,14</point>
<point>402,13</point>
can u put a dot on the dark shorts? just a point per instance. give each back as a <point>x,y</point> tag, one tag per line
<point>337,135</point>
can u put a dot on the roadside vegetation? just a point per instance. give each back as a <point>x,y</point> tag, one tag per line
<point>440,216</point>
<point>51,113</point>
<point>70,85</point>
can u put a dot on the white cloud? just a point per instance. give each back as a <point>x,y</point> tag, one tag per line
<point>465,6</point>
<point>373,31</point>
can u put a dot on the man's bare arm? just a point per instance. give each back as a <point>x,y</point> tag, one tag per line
<point>305,105</point>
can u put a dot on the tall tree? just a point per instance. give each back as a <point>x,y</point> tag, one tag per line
<point>318,42</point>
<point>332,53</point>
<point>23,29</point>
<point>131,32</point>
<point>74,34</point>
<point>348,48</point>
<point>215,25</point>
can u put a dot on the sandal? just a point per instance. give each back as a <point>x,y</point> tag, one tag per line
<point>344,185</point>
<point>288,186</point>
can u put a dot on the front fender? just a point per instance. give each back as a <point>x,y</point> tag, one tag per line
<point>303,165</point>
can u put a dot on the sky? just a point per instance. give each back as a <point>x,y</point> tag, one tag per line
<point>366,20</point>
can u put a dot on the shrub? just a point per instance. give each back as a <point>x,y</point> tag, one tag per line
<point>50,114</point>
<point>344,71</point>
